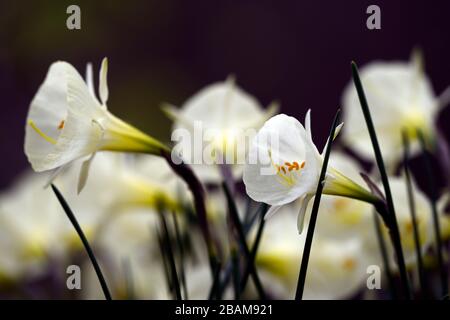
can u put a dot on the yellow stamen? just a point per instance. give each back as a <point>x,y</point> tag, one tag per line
<point>42,134</point>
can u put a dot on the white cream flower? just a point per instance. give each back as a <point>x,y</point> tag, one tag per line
<point>284,165</point>
<point>120,181</point>
<point>34,228</point>
<point>225,114</point>
<point>337,268</point>
<point>66,122</point>
<point>404,220</point>
<point>400,97</point>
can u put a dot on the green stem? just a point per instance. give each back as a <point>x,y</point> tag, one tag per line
<point>84,240</point>
<point>392,221</point>
<point>314,214</point>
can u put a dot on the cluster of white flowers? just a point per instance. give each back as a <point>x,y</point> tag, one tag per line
<point>68,126</point>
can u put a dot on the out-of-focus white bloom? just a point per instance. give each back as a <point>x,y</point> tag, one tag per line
<point>132,258</point>
<point>336,270</point>
<point>400,97</point>
<point>340,217</point>
<point>284,165</point>
<point>404,219</point>
<point>121,181</point>
<point>34,228</point>
<point>127,244</point>
<point>67,122</point>
<point>224,113</point>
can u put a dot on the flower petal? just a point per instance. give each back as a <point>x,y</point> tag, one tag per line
<point>281,139</point>
<point>302,212</point>
<point>90,79</point>
<point>103,84</point>
<point>84,172</point>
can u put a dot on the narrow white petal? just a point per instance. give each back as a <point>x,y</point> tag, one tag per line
<point>308,124</point>
<point>103,85</point>
<point>302,213</point>
<point>84,172</point>
<point>90,79</point>
<point>336,132</point>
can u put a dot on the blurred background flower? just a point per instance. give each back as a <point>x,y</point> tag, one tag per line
<point>297,54</point>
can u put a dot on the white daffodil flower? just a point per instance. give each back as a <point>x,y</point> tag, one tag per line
<point>33,228</point>
<point>224,116</point>
<point>337,268</point>
<point>400,97</point>
<point>404,220</point>
<point>284,165</point>
<point>67,122</point>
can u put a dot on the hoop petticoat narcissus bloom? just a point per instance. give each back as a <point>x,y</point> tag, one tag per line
<point>284,165</point>
<point>401,97</point>
<point>66,122</point>
<point>225,113</point>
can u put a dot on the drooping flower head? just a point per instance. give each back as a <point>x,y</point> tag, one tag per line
<point>284,165</point>
<point>66,122</point>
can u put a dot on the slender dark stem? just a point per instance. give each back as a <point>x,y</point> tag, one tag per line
<point>314,213</point>
<point>236,272</point>
<point>181,250</point>
<point>242,241</point>
<point>412,207</point>
<point>170,257</point>
<point>392,221</point>
<point>86,245</point>
<point>262,209</point>
<point>384,256</point>
<point>162,250</point>
<point>198,193</point>
<point>215,283</point>
<point>262,222</point>
<point>436,224</point>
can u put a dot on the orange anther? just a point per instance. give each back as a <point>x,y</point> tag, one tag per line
<point>302,165</point>
<point>61,124</point>
<point>283,169</point>
<point>287,164</point>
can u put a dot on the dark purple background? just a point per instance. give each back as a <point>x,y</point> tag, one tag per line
<point>296,52</point>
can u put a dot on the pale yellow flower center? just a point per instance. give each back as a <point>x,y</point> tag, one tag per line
<point>287,172</point>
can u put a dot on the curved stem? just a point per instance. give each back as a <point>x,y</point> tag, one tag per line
<point>85,242</point>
